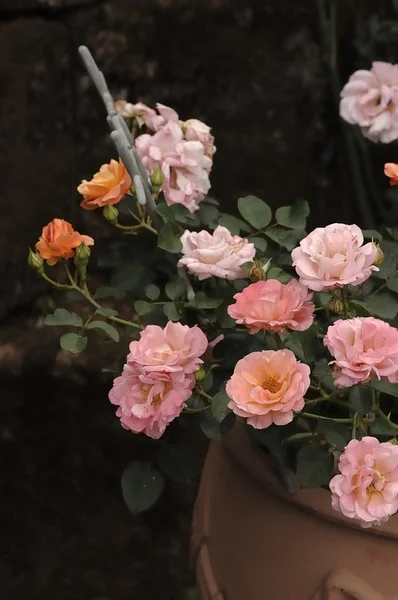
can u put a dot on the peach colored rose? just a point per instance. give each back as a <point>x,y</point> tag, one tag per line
<point>148,402</point>
<point>219,254</point>
<point>175,348</point>
<point>59,240</point>
<point>367,486</point>
<point>391,171</point>
<point>274,306</point>
<point>370,100</point>
<point>267,387</point>
<point>334,256</point>
<point>363,348</point>
<point>108,186</point>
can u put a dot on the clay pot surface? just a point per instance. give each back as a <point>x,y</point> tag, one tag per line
<point>253,541</point>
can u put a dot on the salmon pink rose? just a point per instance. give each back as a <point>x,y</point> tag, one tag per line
<point>367,485</point>
<point>148,402</point>
<point>59,240</point>
<point>370,100</point>
<point>268,387</point>
<point>273,306</point>
<point>175,348</point>
<point>334,256</point>
<point>363,348</point>
<point>391,171</point>
<point>219,254</point>
<point>108,186</point>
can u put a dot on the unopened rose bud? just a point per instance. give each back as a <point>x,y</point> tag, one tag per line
<point>200,375</point>
<point>82,254</point>
<point>379,256</point>
<point>336,305</point>
<point>35,262</point>
<point>111,214</point>
<point>259,269</point>
<point>157,179</point>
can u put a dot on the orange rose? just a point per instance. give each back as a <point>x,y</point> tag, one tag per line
<point>108,186</point>
<point>58,240</point>
<point>391,170</point>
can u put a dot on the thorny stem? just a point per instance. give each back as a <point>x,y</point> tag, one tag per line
<point>354,426</point>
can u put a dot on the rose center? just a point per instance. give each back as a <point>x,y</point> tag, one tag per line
<point>271,384</point>
<point>376,485</point>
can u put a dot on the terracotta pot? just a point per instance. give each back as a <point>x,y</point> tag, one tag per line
<point>253,541</point>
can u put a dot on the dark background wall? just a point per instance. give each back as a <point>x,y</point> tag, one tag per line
<point>252,70</point>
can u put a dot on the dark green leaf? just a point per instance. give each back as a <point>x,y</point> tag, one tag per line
<point>213,429</point>
<point>128,275</point>
<point>107,292</point>
<point>108,329</point>
<point>382,427</point>
<point>72,342</point>
<point>63,317</point>
<point>259,243</point>
<point>336,434</point>
<point>142,485</point>
<point>171,311</point>
<point>314,466</point>
<point>309,343</point>
<point>361,399</point>
<point>372,234</point>
<point>389,265</point>
<point>202,301</point>
<point>286,238</point>
<point>208,214</point>
<point>294,217</point>
<point>179,462</point>
<point>210,200</point>
<point>392,284</point>
<point>323,373</point>
<point>391,389</point>
<point>233,224</point>
<point>279,274</point>
<point>174,289</point>
<point>152,292</point>
<point>383,305</point>
<point>360,308</point>
<point>255,211</point>
<point>169,238</point>
<point>165,212</point>
<point>104,311</point>
<point>143,307</point>
<point>219,406</point>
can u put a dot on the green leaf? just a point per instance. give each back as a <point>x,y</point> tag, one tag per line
<point>360,308</point>
<point>323,373</point>
<point>372,234</point>
<point>202,301</point>
<point>152,292</point>
<point>213,429</point>
<point>108,329</point>
<point>180,462</point>
<point>183,215</point>
<point>169,238</point>
<point>171,311</point>
<point>279,274</point>
<point>233,224</point>
<point>382,427</point>
<point>383,305</point>
<point>210,200</point>
<point>392,284</point>
<point>208,214</point>
<point>142,485</point>
<point>391,389</point>
<point>165,211</point>
<point>219,406</point>
<point>314,466</point>
<point>73,343</point>
<point>175,288</point>
<point>309,343</point>
<point>294,217</point>
<point>108,292</point>
<point>361,399</point>
<point>255,211</point>
<point>106,312</point>
<point>336,434</point>
<point>286,238</point>
<point>389,265</point>
<point>63,317</point>
<point>259,243</point>
<point>143,307</point>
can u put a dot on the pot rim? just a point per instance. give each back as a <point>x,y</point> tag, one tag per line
<point>253,463</point>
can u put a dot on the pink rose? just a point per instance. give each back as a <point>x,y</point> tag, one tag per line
<point>267,387</point>
<point>140,111</point>
<point>367,487</point>
<point>175,348</point>
<point>363,348</point>
<point>148,402</point>
<point>184,165</point>
<point>370,100</point>
<point>334,256</point>
<point>274,306</point>
<point>220,254</point>
<point>195,130</point>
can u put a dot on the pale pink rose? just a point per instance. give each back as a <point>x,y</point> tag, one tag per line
<point>370,100</point>
<point>363,348</point>
<point>367,487</point>
<point>175,348</point>
<point>334,256</point>
<point>267,387</point>
<point>148,402</point>
<point>195,130</point>
<point>184,165</point>
<point>274,306</point>
<point>219,254</point>
<point>140,111</point>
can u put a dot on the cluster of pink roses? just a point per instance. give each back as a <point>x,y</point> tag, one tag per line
<point>158,377</point>
<point>182,150</point>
